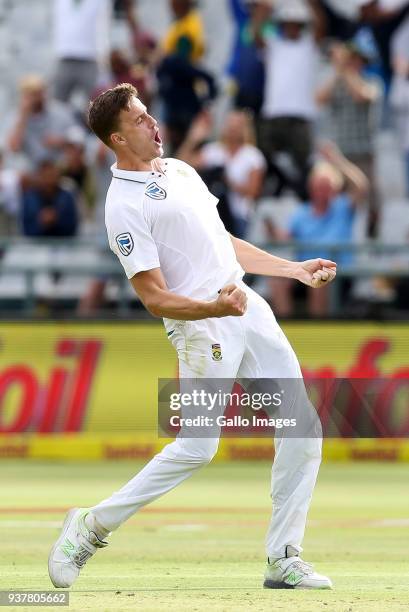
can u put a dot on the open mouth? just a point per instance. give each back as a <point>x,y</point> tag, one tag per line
<point>158,139</point>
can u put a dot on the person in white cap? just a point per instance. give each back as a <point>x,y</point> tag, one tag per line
<point>163,225</point>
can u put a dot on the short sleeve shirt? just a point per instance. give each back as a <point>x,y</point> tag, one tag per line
<point>170,220</point>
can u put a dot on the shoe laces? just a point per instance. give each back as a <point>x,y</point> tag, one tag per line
<point>302,566</point>
<point>81,556</point>
<point>87,549</point>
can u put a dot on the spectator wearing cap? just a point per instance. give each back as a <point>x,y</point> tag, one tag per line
<point>352,99</point>
<point>187,23</point>
<point>246,66</point>
<point>48,210</point>
<point>40,124</point>
<point>81,40</point>
<point>288,112</point>
<point>336,188</point>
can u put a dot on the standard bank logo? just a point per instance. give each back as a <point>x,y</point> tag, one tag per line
<point>155,192</point>
<point>125,243</point>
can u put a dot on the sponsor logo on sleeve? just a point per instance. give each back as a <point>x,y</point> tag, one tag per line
<point>155,192</point>
<point>125,243</point>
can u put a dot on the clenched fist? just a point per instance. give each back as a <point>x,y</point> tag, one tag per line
<point>316,272</point>
<point>232,301</point>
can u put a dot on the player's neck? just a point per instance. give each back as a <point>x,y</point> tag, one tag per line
<point>134,164</point>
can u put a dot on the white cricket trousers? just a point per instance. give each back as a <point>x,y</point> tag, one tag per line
<point>252,346</point>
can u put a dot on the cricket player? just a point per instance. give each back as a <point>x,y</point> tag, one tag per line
<point>163,225</point>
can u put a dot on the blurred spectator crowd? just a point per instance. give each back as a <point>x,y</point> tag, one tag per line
<point>285,135</point>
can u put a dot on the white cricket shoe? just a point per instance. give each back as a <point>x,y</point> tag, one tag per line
<point>293,573</point>
<point>73,548</point>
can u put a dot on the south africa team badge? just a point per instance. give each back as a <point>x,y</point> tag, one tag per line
<point>216,352</point>
<point>155,192</point>
<point>125,243</point>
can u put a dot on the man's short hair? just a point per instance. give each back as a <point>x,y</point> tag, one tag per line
<point>103,112</point>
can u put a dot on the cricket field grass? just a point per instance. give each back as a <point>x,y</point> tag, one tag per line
<point>201,546</point>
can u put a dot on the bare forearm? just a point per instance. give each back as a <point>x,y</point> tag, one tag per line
<point>357,182</point>
<point>188,152</point>
<point>172,306</point>
<point>374,13</point>
<point>319,20</point>
<point>257,261</point>
<point>15,140</point>
<point>256,26</point>
<point>360,90</point>
<point>252,187</point>
<point>325,93</point>
<point>150,286</point>
<point>248,190</point>
<point>313,272</point>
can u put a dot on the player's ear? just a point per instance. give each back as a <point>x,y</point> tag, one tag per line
<point>117,139</point>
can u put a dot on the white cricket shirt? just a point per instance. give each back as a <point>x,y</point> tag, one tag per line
<point>170,220</point>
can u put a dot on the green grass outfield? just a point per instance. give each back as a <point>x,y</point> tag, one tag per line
<point>201,546</point>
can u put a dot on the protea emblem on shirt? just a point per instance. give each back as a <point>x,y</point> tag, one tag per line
<point>216,352</point>
<point>125,243</point>
<point>183,172</point>
<point>155,192</point>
